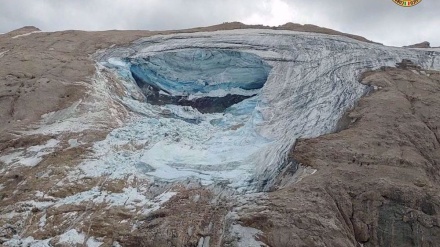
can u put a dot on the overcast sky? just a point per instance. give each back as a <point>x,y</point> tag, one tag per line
<point>379,20</point>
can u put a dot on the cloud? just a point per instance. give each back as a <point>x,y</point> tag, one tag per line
<point>272,13</point>
<point>51,15</point>
<point>379,20</point>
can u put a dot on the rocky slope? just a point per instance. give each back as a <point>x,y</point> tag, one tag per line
<point>117,138</point>
<point>424,44</point>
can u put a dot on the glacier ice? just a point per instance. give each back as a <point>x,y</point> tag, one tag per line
<point>294,85</point>
<point>200,70</point>
<point>208,80</point>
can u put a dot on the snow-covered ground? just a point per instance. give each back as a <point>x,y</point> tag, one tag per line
<point>31,156</point>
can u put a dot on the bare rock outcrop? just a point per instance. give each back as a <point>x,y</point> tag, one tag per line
<point>317,29</point>
<point>23,30</point>
<point>424,44</point>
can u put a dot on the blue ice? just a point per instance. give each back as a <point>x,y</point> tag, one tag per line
<point>200,71</point>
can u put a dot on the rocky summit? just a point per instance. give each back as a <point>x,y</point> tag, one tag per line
<point>229,135</point>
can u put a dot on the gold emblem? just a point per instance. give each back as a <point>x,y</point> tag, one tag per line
<point>407,3</point>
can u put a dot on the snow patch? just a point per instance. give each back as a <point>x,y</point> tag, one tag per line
<point>116,244</point>
<point>2,54</point>
<point>26,34</point>
<point>73,143</point>
<point>16,241</point>
<point>43,221</point>
<point>65,120</point>
<point>93,242</point>
<point>246,236</point>
<point>131,198</point>
<point>11,158</point>
<point>71,237</point>
<point>31,156</point>
<point>9,215</point>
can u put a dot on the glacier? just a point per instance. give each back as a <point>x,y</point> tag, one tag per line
<point>273,87</point>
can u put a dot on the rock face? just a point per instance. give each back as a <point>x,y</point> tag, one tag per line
<point>424,44</point>
<point>23,31</point>
<point>250,137</point>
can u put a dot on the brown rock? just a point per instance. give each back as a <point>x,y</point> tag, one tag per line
<point>23,30</point>
<point>424,44</point>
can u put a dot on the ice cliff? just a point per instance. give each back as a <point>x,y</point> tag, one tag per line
<point>226,107</point>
